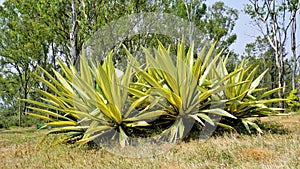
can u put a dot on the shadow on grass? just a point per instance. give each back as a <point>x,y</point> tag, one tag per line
<point>269,127</point>
<point>22,130</point>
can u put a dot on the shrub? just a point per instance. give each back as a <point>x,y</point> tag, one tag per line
<point>91,104</point>
<point>9,121</point>
<point>244,97</point>
<point>293,100</point>
<point>183,84</point>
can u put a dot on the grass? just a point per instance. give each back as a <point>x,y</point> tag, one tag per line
<point>17,150</point>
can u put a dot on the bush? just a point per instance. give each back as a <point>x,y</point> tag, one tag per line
<point>9,118</point>
<point>293,101</point>
<point>9,121</point>
<point>28,121</point>
<point>245,97</point>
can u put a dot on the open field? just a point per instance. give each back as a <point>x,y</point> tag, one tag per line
<point>17,150</point>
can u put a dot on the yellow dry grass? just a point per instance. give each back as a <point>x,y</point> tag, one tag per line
<point>17,150</point>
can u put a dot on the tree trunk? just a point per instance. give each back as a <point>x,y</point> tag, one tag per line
<point>26,91</point>
<point>293,77</point>
<point>20,112</point>
<point>280,84</point>
<point>280,68</point>
<point>294,55</point>
<point>73,34</point>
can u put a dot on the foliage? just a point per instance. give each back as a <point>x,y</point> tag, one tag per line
<point>216,22</point>
<point>260,53</point>
<point>90,104</point>
<point>183,84</point>
<point>293,100</point>
<point>9,119</point>
<point>246,99</point>
<point>19,53</point>
<point>173,91</point>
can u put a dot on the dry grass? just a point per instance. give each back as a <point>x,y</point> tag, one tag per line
<point>17,150</point>
<point>290,122</point>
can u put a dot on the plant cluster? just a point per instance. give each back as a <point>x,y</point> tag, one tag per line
<point>168,93</point>
<point>293,100</point>
<point>9,119</point>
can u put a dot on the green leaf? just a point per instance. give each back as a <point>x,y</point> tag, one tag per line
<point>206,118</point>
<point>40,116</point>
<point>49,113</point>
<point>197,119</point>
<point>268,93</point>
<point>62,123</point>
<point>147,115</point>
<point>218,111</point>
<point>256,82</point>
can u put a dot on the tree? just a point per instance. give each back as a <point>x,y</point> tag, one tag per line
<point>216,22</point>
<point>273,19</point>
<point>21,47</point>
<point>8,84</point>
<point>293,6</point>
<point>220,22</point>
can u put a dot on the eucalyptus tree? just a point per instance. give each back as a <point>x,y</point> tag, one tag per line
<point>293,7</point>
<point>274,19</point>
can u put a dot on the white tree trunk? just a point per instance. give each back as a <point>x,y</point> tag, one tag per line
<point>295,58</point>
<point>73,34</point>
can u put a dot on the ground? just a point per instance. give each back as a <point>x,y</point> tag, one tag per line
<point>17,150</point>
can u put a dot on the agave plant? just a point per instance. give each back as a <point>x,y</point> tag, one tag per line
<point>245,99</point>
<point>183,83</point>
<point>90,104</point>
<point>57,108</point>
